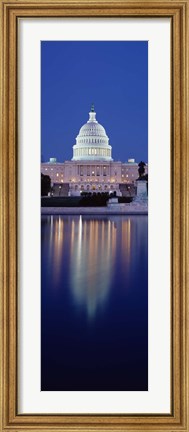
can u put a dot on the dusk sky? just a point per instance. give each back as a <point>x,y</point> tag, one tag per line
<point>113,76</point>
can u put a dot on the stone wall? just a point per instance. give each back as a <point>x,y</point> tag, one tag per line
<point>61,189</point>
<point>127,190</point>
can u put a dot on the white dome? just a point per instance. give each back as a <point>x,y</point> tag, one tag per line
<point>92,143</point>
<point>92,129</point>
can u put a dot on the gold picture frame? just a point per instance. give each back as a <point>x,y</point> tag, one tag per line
<point>177,10</point>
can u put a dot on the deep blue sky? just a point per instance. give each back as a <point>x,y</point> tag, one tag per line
<point>113,75</point>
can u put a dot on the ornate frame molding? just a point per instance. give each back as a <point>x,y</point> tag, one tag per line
<point>11,11</point>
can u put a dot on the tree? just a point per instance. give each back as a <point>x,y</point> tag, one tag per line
<point>45,184</point>
<point>141,169</point>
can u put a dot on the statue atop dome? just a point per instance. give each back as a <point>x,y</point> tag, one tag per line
<point>92,108</point>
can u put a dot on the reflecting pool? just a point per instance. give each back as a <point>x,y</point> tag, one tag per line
<point>94,303</point>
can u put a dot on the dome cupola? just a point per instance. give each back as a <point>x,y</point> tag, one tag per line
<point>92,143</point>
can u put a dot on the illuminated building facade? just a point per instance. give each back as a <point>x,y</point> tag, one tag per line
<point>92,167</point>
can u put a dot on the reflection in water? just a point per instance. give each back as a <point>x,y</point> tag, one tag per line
<point>56,246</point>
<point>94,303</point>
<point>93,245</point>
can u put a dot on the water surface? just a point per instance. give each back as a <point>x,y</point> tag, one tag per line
<point>94,303</point>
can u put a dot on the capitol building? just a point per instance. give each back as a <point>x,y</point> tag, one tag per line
<point>92,168</point>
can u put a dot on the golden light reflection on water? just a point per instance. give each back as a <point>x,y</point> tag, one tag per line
<point>126,241</point>
<point>92,259</point>
<point>56,245</point>
<point>93,246</point>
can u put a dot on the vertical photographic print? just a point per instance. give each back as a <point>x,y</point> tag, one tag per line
<point>94,216</point>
